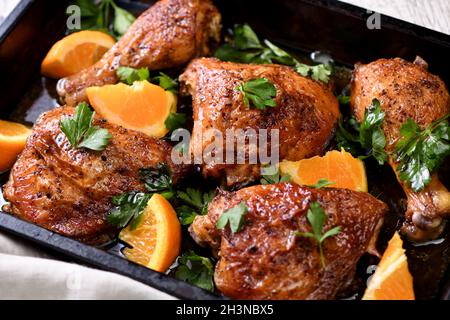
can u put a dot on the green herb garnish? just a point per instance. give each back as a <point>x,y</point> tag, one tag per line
<point>234,217</point>
<point>371,134</point>
<point>129,207</point>
<point>81,133</point>
<point>274,178</point>
<point>175,121</point>
<point>343,100</point>
<point>316,217</point>
<point>419,153</point>
<point>129,75</point>
<point>322,183</point>
<point>194,202</point>
<point>245,47</point>
<point>97,17</point>
<point>366,139</point>
<point>261,92</point>
<point>158,180</point>
<point>166,82</point>
<point>196,270</point>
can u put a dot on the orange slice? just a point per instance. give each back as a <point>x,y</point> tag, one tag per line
<point>155,243</point>
<point>75,52</point>
<point>13,137</point>
<point>392,279</point>
<point>339,167</point>
<point>142,106</point>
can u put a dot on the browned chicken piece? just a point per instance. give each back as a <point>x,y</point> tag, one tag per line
<point>69,190</point>
<point>168,35</point>
<point>266,260</point>
<point>407,90</point>
<point>305,115</point>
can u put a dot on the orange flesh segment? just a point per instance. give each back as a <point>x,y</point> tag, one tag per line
<point>76,52</point>
<point>143,106</point>
<point>155,243</point>
<point>13,137</point>
<point>339,167</point>
<point>392,279</point>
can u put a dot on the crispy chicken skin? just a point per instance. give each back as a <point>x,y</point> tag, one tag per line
<point>305,115</point>
<point>69,190</point>
<point>407,90</point>
<point>169,34</point>
<point>265,260</point>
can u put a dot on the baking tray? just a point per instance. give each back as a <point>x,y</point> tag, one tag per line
<point>303,26</point>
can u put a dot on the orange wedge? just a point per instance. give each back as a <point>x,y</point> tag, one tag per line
<point>142,106</point>
<point>392,279</point>
<point>13,137</point>
<point>155,243</point>
<point>75,52</point>
<point>339,167</point>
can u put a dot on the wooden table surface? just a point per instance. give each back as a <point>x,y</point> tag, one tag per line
<point>433,14</point>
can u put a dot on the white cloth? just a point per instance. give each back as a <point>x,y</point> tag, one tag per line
<point>28,273</point>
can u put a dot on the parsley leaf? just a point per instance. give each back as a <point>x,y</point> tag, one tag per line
<point>158,179</point>
<point>122,19</point>
<point>245,47</point>
<point>366,139</point>
<point>80,132</point>
<point>129,207</point>
<point>234,217</point>
<point>322,183</point>
<point>194,202</point>
<point>129,75</point>
<point>196,270</point>
<point>175,120</point>
<point>371,134</point>
<point>316,217</point>
<point>274,178</point>
<point>343,100</point>
<point>419,153</point>
<point>261,92</point>
<point>96,16</point>
<point>166,82</point>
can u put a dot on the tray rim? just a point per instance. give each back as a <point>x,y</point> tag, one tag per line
<point>83,252</point>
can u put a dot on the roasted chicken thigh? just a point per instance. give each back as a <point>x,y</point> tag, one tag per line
<point>266,260</point>
<point>169,34</point>
<point>69,190</point>
<point>305,114</point>
<point>407,91</point>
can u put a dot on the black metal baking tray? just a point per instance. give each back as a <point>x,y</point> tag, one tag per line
<point>301,25</point>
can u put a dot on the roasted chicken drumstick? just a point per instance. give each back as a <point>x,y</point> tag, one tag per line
<point>169,34</point>
<point>266,260</point>
<point>69,190</point>
<point>305,115</point>
<point>407,91</point>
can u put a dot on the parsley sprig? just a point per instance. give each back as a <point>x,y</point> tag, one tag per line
<point>274,178</point>
<point>261,92</point>
<point>194,202</point>
<point>81,133</point>
<point>419,153</point>
<point>196,270</point>
<point>234,217</point>
<point>175,121</point>
<point>322,183</point>
<point>158,180</point>
<point>366,139</point>
<point>129,75</point>
<point>317,217</point>
<point>129,207</point>
<point>97,17</point>
<point>245,47</point>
